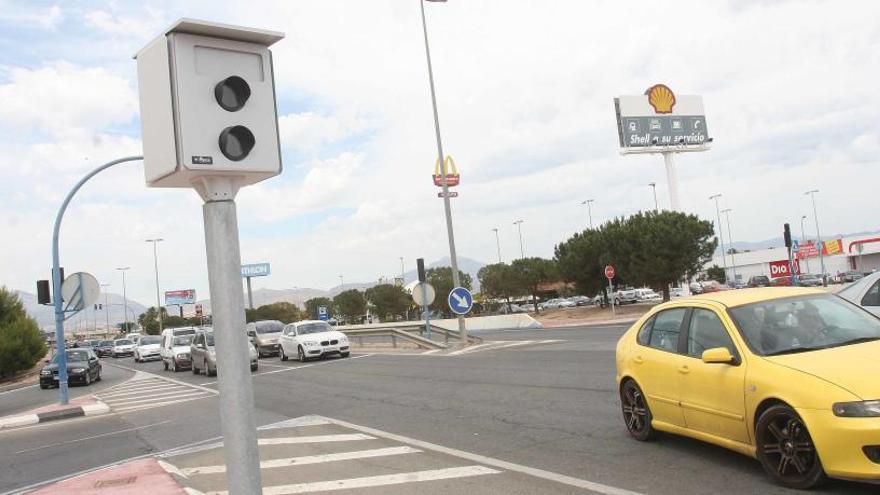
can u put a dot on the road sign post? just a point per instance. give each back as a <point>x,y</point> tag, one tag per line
<point>609,274</point>
<point>460,301</point>
<point>423,294</point>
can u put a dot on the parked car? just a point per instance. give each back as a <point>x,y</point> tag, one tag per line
<point>648,295</point>
<point>204,358</point>
<point>781,282</point>
<point>695,288</point>
<point>688,368</point>
<point>122,347</point>
<point>851,276</point>
<point>266,334</point>
<point>864,292</point>
<point>147,348</point>
<point>174,348</point>
<point>759,281</point>
<point>625,296</point>
<point>133,336</point>
<point>83,366</point>
<point>713,286</point>
<point>580,300</point>
<point>312,339</point>
<point>676,292</point>
<point>810,280</point>
<point>104,348</point>
<point>557,303</point>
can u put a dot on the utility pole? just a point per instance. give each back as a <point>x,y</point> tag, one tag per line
<point>518,224</point>
<point>156,265</point>
<point>402,277</point>
<point>497,244</point>
<point>588,202</point>
<point>125,297</point>
<point>804,240</point>
<point>106,306</point>
<point>812,195</point>
<point>720,233</point>
<point>730,243</point>
<point>447,206</point>
<point>654,187</point>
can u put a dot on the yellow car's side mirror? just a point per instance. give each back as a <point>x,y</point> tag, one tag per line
<point>718,355</point>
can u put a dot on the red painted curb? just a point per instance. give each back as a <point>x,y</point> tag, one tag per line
<point>132,478</point>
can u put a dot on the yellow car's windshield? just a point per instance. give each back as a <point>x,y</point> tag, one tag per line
<point>804,323</point>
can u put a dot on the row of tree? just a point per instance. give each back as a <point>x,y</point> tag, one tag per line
<point>21,341</point>
<point>522,277</point>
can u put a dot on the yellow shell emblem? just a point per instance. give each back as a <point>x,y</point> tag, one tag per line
<point>661,98</point>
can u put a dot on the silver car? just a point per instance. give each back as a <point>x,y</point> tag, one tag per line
<point>865,292</point>
<point>205,358</point>
<point>265,335</point>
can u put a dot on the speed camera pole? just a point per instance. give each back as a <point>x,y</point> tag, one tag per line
<point>447,207</point>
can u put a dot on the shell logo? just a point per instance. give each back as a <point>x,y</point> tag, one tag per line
<point>661,98</point>
<point>452,177</point>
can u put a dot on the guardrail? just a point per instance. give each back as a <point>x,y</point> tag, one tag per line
<point>411,331</point>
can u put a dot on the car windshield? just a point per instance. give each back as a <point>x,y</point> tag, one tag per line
<point>269,326</point>
<point>804,323</point>
<point>209,339</point>
<point>105,343</point>
<point>76,356</point>
<point>808,276</point>
<point>182,340</point>
<point>313,328</point>
<point>152,339</point>
<point>122,342</point>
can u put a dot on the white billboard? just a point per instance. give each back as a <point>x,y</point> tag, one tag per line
<point>660,118</point>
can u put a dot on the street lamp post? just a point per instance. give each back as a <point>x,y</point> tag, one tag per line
<point>588,202</point>
<point>720,232</point>
<point>124,296</point>
<point>654,187</point>
<point>402,277</point>
<point>726,212</point>
<point>812,195</point>
<point>447,206</point>
<point>106,305</point>
<point>804,240</point>
<point>497,244</point>
<point>341,282</point>
<point>518,224</point>
<point>156,265</point>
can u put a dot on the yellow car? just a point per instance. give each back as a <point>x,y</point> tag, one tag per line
<point>789,376</point>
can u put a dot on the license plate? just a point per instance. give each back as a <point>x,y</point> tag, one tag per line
<point>55,378</point>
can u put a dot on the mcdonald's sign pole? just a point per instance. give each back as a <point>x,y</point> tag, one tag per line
<point>456,282</point>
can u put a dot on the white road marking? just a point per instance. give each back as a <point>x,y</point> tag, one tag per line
<point>144,391</point>
<point>309,459</point>
<point>296,423</point>
<point>159,404</point>
<point>92,437</point>
<point>489,461</point>
<point>372,481</point>
<point>469,349</point>
<point>343,437</point>
<point>17,389</point>
<point>152,398</point>
<point>294,368</point>
<point>432,351</point>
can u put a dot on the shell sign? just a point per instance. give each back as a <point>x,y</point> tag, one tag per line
<point>661,98</point>
<point>452,177</point>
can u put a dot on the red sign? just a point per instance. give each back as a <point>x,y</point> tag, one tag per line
<point>780,269</point>
<point>609,272</point>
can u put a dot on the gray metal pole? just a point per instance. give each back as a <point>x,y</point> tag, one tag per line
<point>497,244</point>
<point>447,207</point>
<point>402,273</point>
<point>237,420</point>
<point>250,294</point>
<point>156,265</point>
<point>63,396</point>
<point>106,306</point>
<point>125,301</point>
<point>518,224</point>
<point>720,232</point>
<point>804,240</point>
<point>730,243</point>
<point>818,237</point>
<point>671,180</point>
<point>654,187</point>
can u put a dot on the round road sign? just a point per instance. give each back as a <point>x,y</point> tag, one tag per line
<point>609,272</point>
<point>80,290</point>
<point>426,297</point>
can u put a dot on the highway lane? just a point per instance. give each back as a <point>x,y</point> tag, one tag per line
<point>551,406</point>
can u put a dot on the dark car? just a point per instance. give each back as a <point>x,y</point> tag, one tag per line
<point>83,366</point>
<point>810,280</point>
<point>851,276</point>
<point>759,281</point>
<point>104,348</point>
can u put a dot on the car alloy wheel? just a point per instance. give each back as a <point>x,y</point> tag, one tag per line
<point>88,380</point>
<point>636,413</point>
<point>786,450</point>
<point>98,376</point>
<point>174,365</point>
<point>283,355</point>
<point>301,354</point>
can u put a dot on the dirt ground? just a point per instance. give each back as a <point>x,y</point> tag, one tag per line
<point>588,314</point>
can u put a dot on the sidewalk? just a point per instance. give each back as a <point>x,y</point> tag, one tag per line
<point>135,477</point>
<point>82,406</point>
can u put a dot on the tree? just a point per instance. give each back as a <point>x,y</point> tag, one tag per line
<point>350,304</point>
<point>529,273</point>
<point>21,342</point>
<point>582,260</point>
<point>313,304</point>
<point>149,322</point>
<point>498,281</point>
<point>441,279</point>
<point>388,300</point>
<point>282,311</point>
<point>715,272</point>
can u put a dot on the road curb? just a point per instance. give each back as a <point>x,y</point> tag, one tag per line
<point>95,409</point>
<point>601,323</point>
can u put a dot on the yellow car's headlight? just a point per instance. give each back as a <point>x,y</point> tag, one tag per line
<point>865,409</point>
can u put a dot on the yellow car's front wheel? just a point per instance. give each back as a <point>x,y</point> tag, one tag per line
<point>636,413</point>
<point>786,450</point>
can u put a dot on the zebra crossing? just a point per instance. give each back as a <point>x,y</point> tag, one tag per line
<point>316,454</point>
<point>145,391</point>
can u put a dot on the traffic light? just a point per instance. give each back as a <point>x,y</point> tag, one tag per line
<point>786,234</point>
<point>420,264</point>
<point>44,295</point>
<point>207,100</point>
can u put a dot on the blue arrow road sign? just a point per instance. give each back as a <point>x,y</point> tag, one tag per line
<point>322,313</point>
<point>460,301</point>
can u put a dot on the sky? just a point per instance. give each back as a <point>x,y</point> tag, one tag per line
<point>525,94</point>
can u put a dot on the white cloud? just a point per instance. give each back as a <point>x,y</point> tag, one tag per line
<point>45,18</point>
<point>311,130</point>
<point>143,24</point>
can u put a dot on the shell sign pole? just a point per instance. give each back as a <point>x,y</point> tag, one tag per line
<point>659,121</point>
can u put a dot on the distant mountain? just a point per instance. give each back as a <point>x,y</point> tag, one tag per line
<point>45,315</point>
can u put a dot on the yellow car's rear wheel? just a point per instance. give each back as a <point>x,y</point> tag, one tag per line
<point>636,413</point>
<point>786,450</point>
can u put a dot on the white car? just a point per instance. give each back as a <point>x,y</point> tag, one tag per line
<point>122,347</point>
<point>557,303</point>
<point>648,295</point>
<point>175,348</point>
<point>312,339</point>
<point>865,292</point>
<point>147,348</point>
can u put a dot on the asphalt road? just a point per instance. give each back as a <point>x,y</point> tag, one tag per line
<point>543,404</point>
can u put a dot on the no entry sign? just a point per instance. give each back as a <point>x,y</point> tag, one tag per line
<point>609,272</point>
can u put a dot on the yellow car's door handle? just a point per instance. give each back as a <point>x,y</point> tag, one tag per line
<point>638,360</point>
<point>684,369</point>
